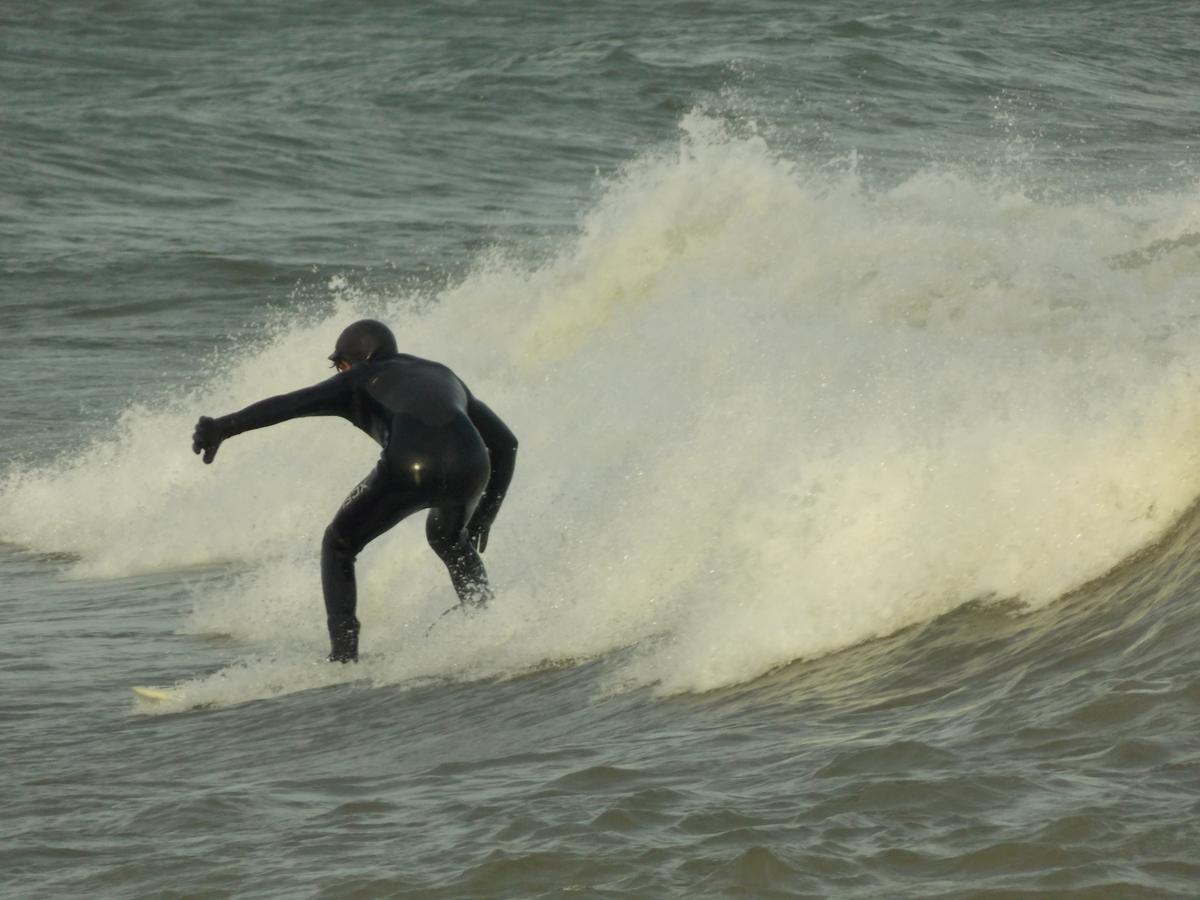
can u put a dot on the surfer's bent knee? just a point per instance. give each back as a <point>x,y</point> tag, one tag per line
<point>335,542</point>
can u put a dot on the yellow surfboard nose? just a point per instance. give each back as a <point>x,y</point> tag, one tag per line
<point>152,694</point>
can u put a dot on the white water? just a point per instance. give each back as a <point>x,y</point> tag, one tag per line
<point>764,413</point>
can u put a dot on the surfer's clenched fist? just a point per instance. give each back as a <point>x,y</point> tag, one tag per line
<point>207,438</point>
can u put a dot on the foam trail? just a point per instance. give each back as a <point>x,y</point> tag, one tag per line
<point>764,413</point>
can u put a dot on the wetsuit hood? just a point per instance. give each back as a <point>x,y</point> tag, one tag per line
<point>365,340</point>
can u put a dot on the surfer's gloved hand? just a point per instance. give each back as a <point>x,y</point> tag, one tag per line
<point>207,437</point>
<point>477,531</point>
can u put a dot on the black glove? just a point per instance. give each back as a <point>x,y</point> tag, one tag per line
<point>478,528</point>
<point>207,438</point>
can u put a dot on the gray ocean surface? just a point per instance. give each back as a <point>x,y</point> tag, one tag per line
<point>854,547</point>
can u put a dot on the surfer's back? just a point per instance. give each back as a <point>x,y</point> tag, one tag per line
<point>420,389</point>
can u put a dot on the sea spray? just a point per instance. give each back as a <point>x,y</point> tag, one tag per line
<point>765,412</point>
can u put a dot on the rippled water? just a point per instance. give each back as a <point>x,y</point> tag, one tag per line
<point>852,550</point>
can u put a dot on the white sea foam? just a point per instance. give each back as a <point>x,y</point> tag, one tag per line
<point>764,413</point>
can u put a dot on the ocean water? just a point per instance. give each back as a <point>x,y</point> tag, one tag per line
<point>854,351</point>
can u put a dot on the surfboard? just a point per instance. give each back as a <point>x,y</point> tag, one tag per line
<point>151,694</point>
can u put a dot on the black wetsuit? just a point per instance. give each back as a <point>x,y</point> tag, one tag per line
<point>443,450</point>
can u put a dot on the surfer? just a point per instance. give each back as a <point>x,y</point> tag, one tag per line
<point>443,450</point>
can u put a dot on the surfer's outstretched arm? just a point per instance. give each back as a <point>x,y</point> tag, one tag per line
<point>502,447</point>
<point>332,397</point>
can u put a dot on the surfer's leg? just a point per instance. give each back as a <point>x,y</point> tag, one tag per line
<point>446,530</point>
<point>371,509</point>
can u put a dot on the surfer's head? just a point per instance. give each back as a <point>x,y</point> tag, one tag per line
<point>363,341</point>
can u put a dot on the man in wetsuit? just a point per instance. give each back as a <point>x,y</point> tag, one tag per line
<point>443,450</point>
